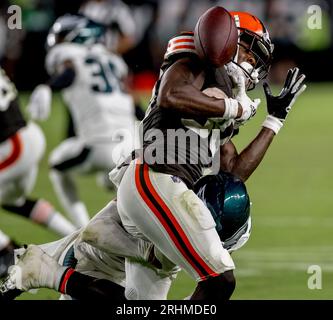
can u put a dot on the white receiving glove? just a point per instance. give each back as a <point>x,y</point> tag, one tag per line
<point>39,105</point>
<point>239,79</point>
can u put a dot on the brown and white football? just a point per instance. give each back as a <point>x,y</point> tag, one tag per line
<point>216,36</point>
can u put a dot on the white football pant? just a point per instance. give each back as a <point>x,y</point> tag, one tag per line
<point>98,249</point>
<point>19,158</point>
<point>75,156</point>
<point>161,209</point>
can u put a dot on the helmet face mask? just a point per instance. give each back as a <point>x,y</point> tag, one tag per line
<point>261,53</point>
<point>239,238</point>
<point>253,38</point>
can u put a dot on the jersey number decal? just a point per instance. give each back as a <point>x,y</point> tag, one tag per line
<point>105,80</point>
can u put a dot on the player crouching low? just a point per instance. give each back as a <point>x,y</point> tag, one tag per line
<point>91,264</point>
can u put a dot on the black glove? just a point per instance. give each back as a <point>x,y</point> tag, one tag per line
<point>279,106</point>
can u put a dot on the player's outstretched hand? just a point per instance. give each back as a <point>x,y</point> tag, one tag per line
<point>40,103</point>
<point>279,106</point>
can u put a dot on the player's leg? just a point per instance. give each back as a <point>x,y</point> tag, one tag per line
<point>97,252</point>
<point>106,233</point>
<point>18,180</point>
<point>38,210</point>
<point>216,288</point>
<point>175,220</point>
<point>42,212</point>
<point>4,240</point>
<point>106,156</point>
<point>70,156</point>
<point>56,250</point>
<point>145,282</point>
<point>6,253</point>
<point>144,279</point>
<point>84,287</point>
<point>36,269</point>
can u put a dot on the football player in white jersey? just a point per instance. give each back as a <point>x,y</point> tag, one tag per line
<point>91,80</point>
<point>22,146</point>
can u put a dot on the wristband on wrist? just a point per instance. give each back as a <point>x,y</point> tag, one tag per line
<point>273,123</point>
<point>231,108</point>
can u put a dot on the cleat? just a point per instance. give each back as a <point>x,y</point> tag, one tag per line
<point>34,269</point>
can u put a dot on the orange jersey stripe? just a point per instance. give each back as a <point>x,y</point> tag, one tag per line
<point>175,222</point>
<point>166,210</point>
<point>15,152</point>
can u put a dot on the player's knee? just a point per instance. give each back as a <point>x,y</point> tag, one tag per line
<point>56,162</point>
<point>53,160</point>
<point>90,233</point>
<point>54,167</point>
<point>224,285</point>
<point>229,280</point>
<point>105,223</point>
<point>216,288</point>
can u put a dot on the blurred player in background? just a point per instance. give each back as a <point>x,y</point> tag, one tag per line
<point>92,82</point>
<point>117,17</point>
<point>22,146</point>
<point>122,31</point>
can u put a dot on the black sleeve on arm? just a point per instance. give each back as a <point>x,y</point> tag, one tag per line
<point>63,80</point>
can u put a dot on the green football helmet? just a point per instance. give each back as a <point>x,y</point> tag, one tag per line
<point>76,29</point>
<point>229,203</point>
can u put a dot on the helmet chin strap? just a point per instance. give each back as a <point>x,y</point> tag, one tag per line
<point>251,74</point>
<point>254,75</point>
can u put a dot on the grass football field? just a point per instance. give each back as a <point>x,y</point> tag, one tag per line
<point>292,211</point>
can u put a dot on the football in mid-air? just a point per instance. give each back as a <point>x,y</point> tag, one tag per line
<point>216,36</point>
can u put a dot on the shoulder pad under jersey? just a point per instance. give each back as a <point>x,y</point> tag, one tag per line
<point>180,44</point>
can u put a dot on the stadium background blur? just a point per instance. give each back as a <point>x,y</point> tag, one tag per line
<point>291,190</point>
